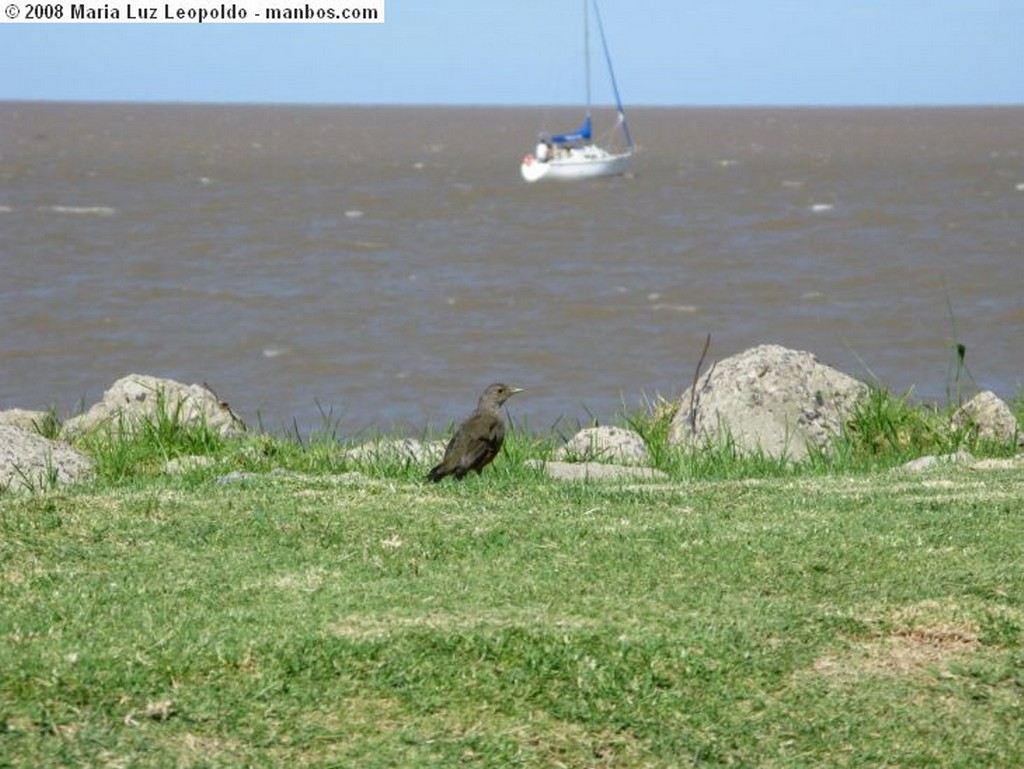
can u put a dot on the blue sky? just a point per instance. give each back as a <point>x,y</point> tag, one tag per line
<point>666,52</point>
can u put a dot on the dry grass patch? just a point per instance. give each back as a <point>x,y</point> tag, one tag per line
<point>920,639</point>
<point>203,750</point>
<point>308,581</point>
<point>903,653</point>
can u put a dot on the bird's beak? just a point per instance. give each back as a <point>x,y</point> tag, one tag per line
<point>515,390</point>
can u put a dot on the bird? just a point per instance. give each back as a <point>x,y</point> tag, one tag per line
<point>478,440</point>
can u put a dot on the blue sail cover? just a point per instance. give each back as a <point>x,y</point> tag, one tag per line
<point>582,134</point>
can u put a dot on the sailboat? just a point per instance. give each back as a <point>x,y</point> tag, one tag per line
<point>575,155</point>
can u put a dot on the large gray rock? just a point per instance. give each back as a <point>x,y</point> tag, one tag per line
<point>30,462</point>
<point>139,398</point>
<point>769,398</point>
<point>988,418</point>
<point>605,444</point>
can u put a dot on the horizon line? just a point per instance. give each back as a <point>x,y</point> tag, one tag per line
<point>508,105</point>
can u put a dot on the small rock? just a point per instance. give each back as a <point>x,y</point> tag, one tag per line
<point>1011,463</point>
<point>605,444</point>
<point>238,476</point>
<point>30,462</point>
<point>408,450</point>
<point>596,471</point>
<point>30,421</point>
<point>138,398</point>
<point>927,463</point>
<point>180,465</point>
<point>988,418</point>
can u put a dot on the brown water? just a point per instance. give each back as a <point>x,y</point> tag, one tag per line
<point>385,264</point>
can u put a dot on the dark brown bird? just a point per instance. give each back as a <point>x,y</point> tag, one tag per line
<point>478,440</point>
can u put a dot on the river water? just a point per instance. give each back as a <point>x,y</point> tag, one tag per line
<point>375,267</point>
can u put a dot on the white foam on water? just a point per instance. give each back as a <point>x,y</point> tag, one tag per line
<point>275,352</point>
<point>822,208</point>
<point>80,210</point>
<point>368,245</point>
<point>353,213</point>
<point>683,308</point>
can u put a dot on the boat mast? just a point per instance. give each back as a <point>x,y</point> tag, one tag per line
<point>586,49</point>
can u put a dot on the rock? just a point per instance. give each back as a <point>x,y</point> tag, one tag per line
<point>596,471</point>
<point>180,465</point>
<point>238,475</point>
<point>31,421</point>
<point>988,418</point>
<point>405,450</point>
<point>139,398</point>
<point>769,398</point>
<point>280,474</point>
<point>30,462</point>
<point>1011,463</point>
<point>921,464</point>
<point>605,444</point>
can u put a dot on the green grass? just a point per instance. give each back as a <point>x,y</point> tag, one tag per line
<point>745,612</point>
<point>305,620</point>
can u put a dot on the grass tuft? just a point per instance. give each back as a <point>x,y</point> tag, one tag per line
<point>142,445</point>
<point>890,427</point>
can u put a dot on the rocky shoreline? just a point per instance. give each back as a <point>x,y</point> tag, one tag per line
<point>783,403</point>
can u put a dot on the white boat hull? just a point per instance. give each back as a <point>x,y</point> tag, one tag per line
<point>577,163</point>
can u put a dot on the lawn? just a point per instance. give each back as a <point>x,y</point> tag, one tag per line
<point>329,618</point>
